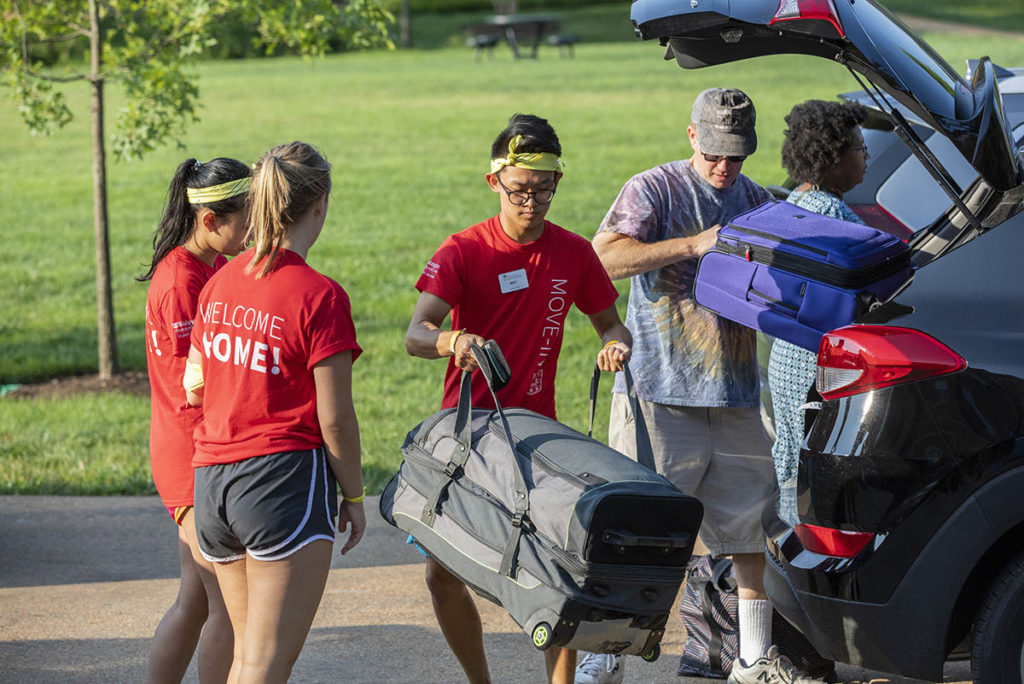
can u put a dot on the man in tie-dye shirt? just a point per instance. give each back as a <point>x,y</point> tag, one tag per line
<point>696,374</point>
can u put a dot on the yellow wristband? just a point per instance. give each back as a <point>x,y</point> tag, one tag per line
<point>451,340</point>
<point>609,343</point>
<point>355,499</point>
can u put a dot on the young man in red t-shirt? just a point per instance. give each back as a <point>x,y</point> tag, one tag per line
<point>511,278</point>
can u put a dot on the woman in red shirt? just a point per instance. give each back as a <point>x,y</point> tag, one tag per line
<point>271,362</point>
<point>203,221</point>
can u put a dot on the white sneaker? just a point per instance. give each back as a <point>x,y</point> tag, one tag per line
<point>598,668</point>
<point>771,669</point>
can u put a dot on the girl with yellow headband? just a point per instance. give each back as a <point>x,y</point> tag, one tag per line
<point>205,219</point>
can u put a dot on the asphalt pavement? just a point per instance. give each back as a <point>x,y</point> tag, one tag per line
<point>84,581</point>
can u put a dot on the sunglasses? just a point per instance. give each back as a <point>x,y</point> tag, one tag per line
<point>715,158</point>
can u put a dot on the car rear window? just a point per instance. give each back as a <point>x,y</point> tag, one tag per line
<point>912,196</point>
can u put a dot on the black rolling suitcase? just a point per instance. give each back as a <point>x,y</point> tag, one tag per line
<point>584,547</point>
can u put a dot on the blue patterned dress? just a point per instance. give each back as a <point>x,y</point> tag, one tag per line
<point>791,373</point>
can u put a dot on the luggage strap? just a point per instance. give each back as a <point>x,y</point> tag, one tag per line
<point>457,461</point>
<point>717,582</point>
<point>644,450</point>
<point>495,371</point>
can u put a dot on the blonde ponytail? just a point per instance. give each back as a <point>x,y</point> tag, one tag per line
<point>287,181</point>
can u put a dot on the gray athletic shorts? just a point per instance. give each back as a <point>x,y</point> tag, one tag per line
<point>269,506</point>
<point>722,456</point>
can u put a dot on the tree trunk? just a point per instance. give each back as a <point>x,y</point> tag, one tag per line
<point>107,335</point>
<point>404,31</point>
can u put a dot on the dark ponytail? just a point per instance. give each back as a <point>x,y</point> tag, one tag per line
<point>179,217</point>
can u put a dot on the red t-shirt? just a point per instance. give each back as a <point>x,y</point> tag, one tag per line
<point>517,295</point>
<point>170,307</point>
<point>260,338</point>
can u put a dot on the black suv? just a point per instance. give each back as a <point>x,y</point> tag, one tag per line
<point>910,545</point>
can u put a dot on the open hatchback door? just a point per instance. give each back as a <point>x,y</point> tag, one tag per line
<point>862,36</point>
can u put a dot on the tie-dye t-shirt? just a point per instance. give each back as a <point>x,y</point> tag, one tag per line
<point>683,355</point>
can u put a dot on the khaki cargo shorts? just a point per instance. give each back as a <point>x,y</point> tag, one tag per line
<point>722,456</point>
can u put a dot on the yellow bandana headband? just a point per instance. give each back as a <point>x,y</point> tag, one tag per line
<point>534,161</point>
<point>216,193</point>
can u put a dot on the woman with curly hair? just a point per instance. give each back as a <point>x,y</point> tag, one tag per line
<point>824,152</point>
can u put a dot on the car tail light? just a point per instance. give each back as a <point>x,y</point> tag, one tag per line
<point>859,358</point>
<point>876,216</point>
<point>815,13</point>
<point>830,542</point>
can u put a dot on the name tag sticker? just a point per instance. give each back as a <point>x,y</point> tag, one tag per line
<point>513,281</point>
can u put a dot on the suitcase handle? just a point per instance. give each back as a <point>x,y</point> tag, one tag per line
<point>644,450</point>
<point>497,373</point>
<point>772,303</point>
<point>622,539</point>
<point>493,365</point>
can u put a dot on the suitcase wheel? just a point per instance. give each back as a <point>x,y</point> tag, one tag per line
<point>652,654</point>
<point>542,635</point>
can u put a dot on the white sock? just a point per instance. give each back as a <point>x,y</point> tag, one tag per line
<point>755,629</point>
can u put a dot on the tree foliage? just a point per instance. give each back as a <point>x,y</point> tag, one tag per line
<point>147,45</point>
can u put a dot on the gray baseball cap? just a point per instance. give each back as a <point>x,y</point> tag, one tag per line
<point>725,118</point>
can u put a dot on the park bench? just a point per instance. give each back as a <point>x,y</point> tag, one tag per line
<point>483,38</point>
<point>565,42</point>
<point>519,30</point>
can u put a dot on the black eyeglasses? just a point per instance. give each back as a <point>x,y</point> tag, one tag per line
<point>521,197</point>
<point>863,149</point>
<point>715,158</point>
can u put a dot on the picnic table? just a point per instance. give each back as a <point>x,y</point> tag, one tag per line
<point>523,28</point>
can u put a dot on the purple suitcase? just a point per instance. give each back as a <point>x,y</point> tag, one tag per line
<point>794,274</point>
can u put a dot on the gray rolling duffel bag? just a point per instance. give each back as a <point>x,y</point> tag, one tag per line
<point>584,547</point>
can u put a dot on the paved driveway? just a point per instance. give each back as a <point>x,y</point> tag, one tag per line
<point>84,581</point>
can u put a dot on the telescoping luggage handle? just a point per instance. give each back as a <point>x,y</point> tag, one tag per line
<point>496,372</point>
<point>644,450</point>
<point>620,539</point>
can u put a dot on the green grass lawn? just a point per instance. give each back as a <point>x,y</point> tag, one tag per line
<point>595,24</point>
<point>1005,15</point>
<point>408,134</point>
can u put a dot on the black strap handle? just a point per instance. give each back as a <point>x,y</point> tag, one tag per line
<point>721,566</point>
<point>493,365</point>
<point>496,372</point>
<point>491,360</point>
<point>460,454</point>
<point>644,450</point>
<point>714,631</point>
<point>716,583</point>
